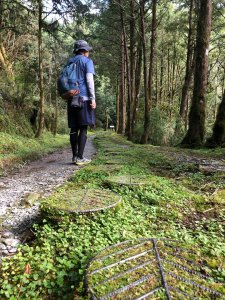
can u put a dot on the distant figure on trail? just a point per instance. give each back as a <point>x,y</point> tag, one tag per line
<point>81,100</point>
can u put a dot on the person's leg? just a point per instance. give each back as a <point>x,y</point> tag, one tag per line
<point>74,142</point>
<point>82,138</point>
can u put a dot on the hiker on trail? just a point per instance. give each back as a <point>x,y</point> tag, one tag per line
<point>81,101</point>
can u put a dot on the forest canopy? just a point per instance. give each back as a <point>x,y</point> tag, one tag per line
<point>160,68</point>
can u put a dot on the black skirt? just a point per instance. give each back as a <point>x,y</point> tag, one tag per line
<point>80,117</point>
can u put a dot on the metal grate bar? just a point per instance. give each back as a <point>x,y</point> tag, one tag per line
<point>79,205</point>
<point>96,209</point>
<point>126,272</point>
<point>126,287</point>
<point>161,270</point>
<point>189,261</point>
<point>93,294</point>
<point>85,197</point>
<point>149,294</point>
<point>121,251</point>
<point>121,261</point>
<point>194,284</point>
<point>176,248</point>
<point>185,278</point>
<point>186,269</point>
<point>182,292</point>
<point>99,195</point>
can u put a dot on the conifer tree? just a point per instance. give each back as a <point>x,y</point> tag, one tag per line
<point>196,131</point>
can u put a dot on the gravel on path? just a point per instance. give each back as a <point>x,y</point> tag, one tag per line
<point>20,191</point>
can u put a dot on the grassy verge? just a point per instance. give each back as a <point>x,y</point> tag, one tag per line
<point>170,206</point>
<point>15,150</point>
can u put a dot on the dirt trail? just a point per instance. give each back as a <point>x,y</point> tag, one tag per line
<point>21,190</point>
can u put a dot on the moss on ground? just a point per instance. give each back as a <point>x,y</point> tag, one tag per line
<point>180,202</point>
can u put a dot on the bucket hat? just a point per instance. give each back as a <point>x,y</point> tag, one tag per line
<point>81,45</point>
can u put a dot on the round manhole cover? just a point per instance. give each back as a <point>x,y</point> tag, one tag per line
<point>115,161</point>
<point>129,180</point>
<point>82,201</point>
<point>107,168</point>
<point>150,269</point>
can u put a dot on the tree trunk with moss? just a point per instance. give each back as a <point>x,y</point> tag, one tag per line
<point>131,81</point>
<point>122,89</point>
<point>126,75</point>
<point>137,80</point>
<point>148,102</point>
<point>40,72</point>
<point>144,137</point>
<point>196,131</point>
<point>6,65</point>
<point>218,137</point>
<point>189,65</point>
<point>117,105</point>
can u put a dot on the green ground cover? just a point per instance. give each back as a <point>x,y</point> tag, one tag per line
<point>15,149</point>
<point>180,202</point>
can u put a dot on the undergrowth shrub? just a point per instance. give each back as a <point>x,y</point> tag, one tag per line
<point>15,122</point>
<point>161,129</point>
<point>138,131</point>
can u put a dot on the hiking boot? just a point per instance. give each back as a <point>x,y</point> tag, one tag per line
<point>82,161</point>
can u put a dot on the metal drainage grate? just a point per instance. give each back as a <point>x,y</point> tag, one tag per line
<point>107,168</point>
<point>85,201</point>
<point>115,161</point>
<point>113,153</point>
<point>150,269</point>
<point>129,180</point>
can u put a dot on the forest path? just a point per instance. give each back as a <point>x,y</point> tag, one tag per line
<point>21,190</point>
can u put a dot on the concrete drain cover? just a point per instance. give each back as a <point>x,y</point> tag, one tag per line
<point>150,269</point>
<point>82,201</point>
<point>129,180</point>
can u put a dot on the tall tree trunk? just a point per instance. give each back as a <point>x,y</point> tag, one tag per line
<point>156,82</point>
<point>168,74</point>
<point>144,138</point>
<point>56,111</point>
<point>152,53</point>
<point>131,87</point>
<point>127,74</point>
<point>40,72</point>
<point>49,84</point>
<point>223,80</point>
<point>6,65</point>
<point>117,105</point>
<point>173,79</point>
<point>196,130</point>
<point>137,85</point>
<point>143,33</point>
<point>122,115</point>
<point>161,76</point>
<point>106,119</point>
<point>218,137</point>
<point>189,64</point>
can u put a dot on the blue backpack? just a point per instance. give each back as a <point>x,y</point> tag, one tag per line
<point>67,80</point>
